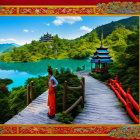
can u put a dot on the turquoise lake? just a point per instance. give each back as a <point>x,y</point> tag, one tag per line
<point>20,72</point>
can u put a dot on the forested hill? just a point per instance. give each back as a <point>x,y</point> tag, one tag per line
<point>78,48</point>
<point>130,23</point>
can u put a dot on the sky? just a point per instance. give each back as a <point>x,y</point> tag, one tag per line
<point>22,30</point>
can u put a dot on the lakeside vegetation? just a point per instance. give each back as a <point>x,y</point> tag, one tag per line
<point>125,48</point>
<point>123,42</point>
<point>5,81</point>
<point>11,103</point>
<point>78,48</point>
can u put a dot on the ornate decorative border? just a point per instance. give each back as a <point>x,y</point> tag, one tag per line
<point>117,131</point>
<point>112,8</point>
<point>120,7</point>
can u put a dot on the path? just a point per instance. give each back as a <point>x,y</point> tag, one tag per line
<point>100,105</point>
<point>34,113</point>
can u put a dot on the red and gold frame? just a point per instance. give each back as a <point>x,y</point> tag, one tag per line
<point>101,9</point>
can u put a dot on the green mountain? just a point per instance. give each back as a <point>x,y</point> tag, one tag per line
<point>78,48</point>
<point>130,23</point>
<point>7,47</point>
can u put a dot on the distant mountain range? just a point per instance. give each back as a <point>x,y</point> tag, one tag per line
<point>7,47</point>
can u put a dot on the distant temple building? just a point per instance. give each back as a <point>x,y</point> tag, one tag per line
<point>101,58</point>
<point>47,37</point>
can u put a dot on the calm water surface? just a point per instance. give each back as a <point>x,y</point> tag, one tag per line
<point>20,72</point>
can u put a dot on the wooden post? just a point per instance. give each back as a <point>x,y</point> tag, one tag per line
<point>83,89</point>
<point>64,95</point>
<point>91,66</point>
<point>31,91</point>
<point>28,94</point>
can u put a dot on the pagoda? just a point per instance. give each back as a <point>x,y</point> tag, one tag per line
<point>101,57</point>
<point>47,37</point>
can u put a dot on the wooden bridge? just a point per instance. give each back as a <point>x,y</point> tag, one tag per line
<point>101,107</point>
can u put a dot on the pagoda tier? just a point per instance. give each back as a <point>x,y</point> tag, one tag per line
<point>101,58</point>
<point>47,37</point>
<point>104,60</point>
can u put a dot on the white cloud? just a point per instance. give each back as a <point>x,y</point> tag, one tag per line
<point>7,40</point>
<point>70,20</point>
<point>25,30</point>
<point>12,40</point>
<point>47,24</point>
<point>85,28</point>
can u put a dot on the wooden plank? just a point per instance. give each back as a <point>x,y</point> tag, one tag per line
<point>76,88</point>
<point>74,105</point>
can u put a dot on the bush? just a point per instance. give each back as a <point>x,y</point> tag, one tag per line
<point>16,100</point>
<point>72,95</point>
<point>5,81</point>
<point>101,77</point>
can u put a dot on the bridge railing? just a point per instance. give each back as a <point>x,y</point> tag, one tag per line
<point>30,95</point>
<point>80,99</point>
<point>124,97</point>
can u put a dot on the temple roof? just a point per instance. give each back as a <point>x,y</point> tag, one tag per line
<point>101,52</point>
<point>101,55</point>
<point>101,61</point>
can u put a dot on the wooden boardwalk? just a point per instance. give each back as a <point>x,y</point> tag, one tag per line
<point>34,113</point>
<point>100,107</point>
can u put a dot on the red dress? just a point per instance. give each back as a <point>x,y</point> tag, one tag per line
<point>52,82</point>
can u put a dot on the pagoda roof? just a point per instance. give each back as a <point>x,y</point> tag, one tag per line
<point>101,60</point>
<point>103,57</point>
<point>101,52</point>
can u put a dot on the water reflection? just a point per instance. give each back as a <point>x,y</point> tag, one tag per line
<point>20,72</point>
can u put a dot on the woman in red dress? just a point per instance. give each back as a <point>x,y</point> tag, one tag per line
<point>52,83</point>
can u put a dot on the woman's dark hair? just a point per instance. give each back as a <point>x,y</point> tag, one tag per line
<point>50,71</point>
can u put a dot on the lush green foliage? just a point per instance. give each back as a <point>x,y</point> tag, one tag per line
<point>101,77</point>
<point>131,23</point>
<point>17,97</point>
<point>5,112</point>
<point>126,65</point>
<point>124,45</point>
<point>5,81</point>
<point>15,101</point>
<point>62,48</point>
<point>57,49</point>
